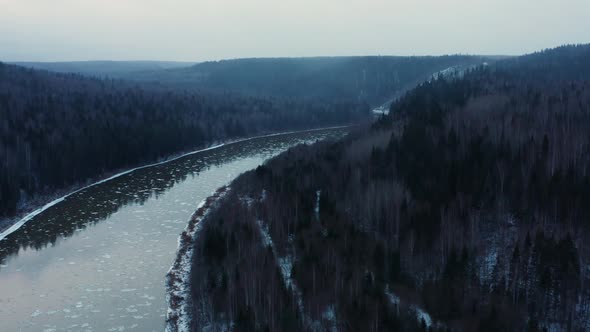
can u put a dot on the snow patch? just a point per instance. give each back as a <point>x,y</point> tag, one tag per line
<point>266,239</point>
<point>286,265</point>
<point>330,316</point>
<point>489,263</point>
<point>393,299</point>
<point>318,195</point>
<point>422,315</point>
<point>263,195</point>
<point>381,110</point>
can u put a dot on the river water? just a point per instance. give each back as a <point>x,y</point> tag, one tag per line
<point>97,261</point>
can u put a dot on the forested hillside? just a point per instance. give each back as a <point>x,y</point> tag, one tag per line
<point>59,130</point>
<point>371,79</point>
<point>465,209</point>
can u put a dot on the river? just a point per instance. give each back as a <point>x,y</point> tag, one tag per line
<point>97,260</point>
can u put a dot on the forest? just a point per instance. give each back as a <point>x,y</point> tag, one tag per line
<point>63,130</point>
<point>110,69</point>
<point>464,209</point>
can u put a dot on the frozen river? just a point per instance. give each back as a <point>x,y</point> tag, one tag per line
<point>97,260</point>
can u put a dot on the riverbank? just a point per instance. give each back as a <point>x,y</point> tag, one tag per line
<point>178,294</point>
<point>11,225</point>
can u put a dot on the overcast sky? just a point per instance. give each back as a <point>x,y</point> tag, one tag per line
<point>196,30</point>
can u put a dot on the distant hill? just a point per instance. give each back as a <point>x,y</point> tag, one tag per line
<point>117,69</point>
<point>372,79</point>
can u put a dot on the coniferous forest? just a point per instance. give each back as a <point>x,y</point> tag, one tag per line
<point>464,209</point>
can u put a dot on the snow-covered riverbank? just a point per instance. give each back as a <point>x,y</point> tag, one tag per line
<point>178,277</point>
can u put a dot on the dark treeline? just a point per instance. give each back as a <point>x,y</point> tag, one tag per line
<point>468,202</point>
<point>59,130</point>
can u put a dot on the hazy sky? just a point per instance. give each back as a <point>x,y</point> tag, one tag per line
<point>195,30</point>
